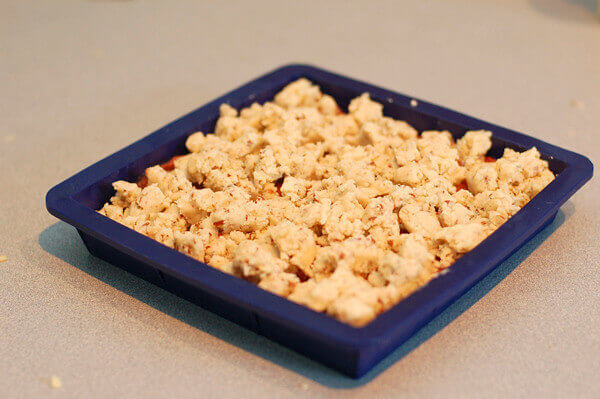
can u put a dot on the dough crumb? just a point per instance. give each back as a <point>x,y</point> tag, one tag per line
<point>414,103</point>
<point>577,104</point>
<point>55,382</point>
<point>3,258</point>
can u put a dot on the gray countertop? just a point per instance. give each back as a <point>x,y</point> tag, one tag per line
<point>81,79</point>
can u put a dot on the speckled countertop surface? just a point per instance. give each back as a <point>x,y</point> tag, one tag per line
<point>81,79</point>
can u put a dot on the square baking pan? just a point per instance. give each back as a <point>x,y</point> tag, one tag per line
<point>352,351</point>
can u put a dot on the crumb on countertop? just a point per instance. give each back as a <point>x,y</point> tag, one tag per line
<point>3,258</point>
<point>577,104</point>
<point>55,382</point>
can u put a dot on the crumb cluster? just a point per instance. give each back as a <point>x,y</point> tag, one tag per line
<point>346,213</point>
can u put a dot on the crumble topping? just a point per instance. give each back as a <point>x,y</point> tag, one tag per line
<point>345,213</point>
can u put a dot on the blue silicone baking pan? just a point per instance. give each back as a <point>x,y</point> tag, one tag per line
<point>352,351</point>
